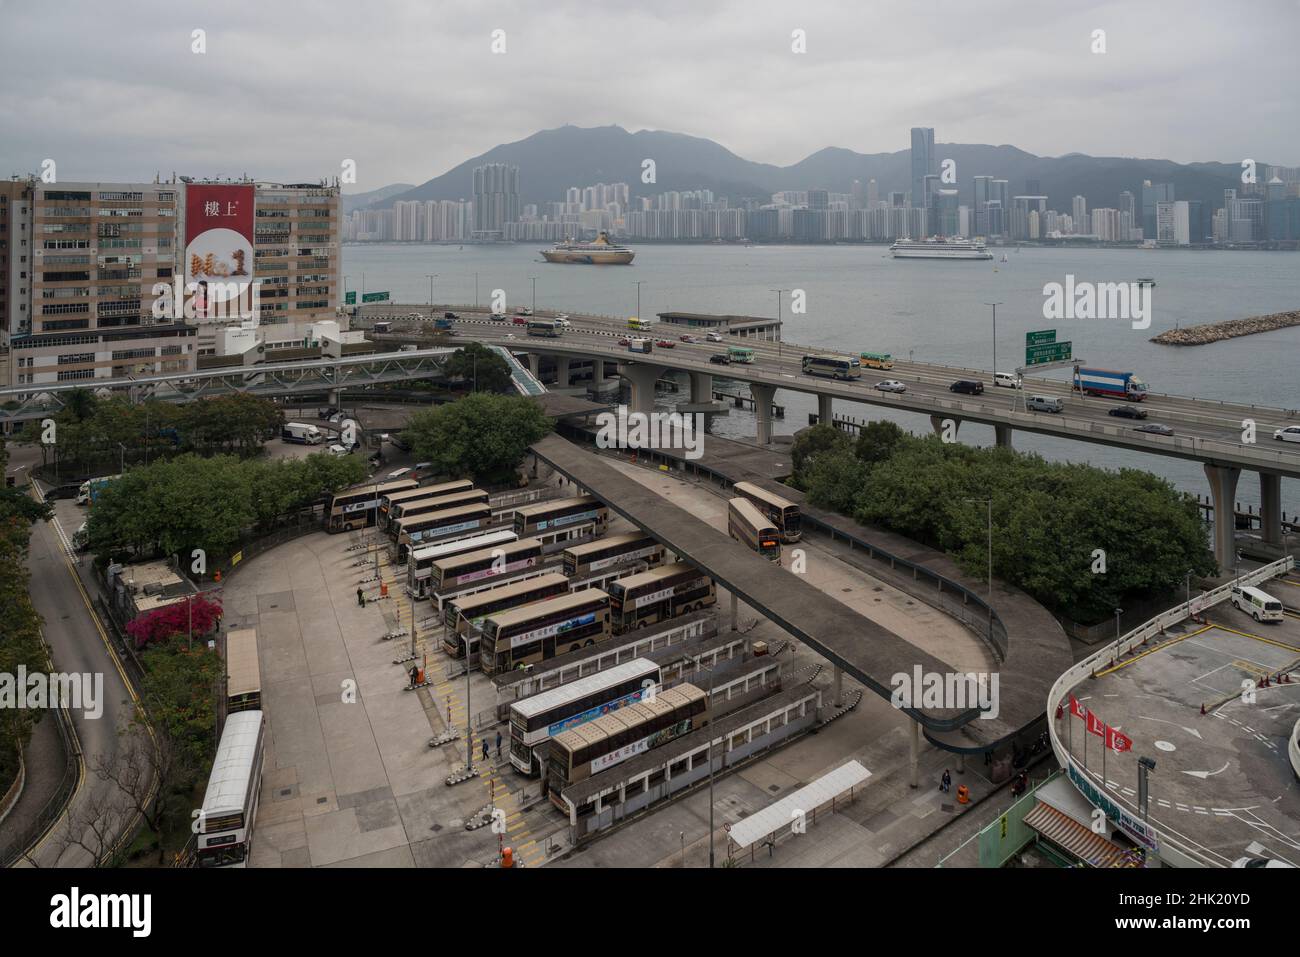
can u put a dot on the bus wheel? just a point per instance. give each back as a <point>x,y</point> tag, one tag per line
<point>588,643</point>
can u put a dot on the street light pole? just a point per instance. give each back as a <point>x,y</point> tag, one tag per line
<point>476,292</point>
<point>534,279</point>
<point>1118,612</point>
<point>995,334</point>
<point>638,282</point>
<point>779,294</point>
<point>431,277</point>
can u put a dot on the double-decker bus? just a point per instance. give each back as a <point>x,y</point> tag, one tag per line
<point>562,520</point>
<point>428,527</point>
<point>469,568</point>
<point>225,825</point>
<point>745,523</point>
<point>419,565</point>
<point>741,354</point>
<point>582,560</point>
<point>434,503</point>
<point>544,629</point>
<point>356,507</point>
<point>545,327</point>
<point>463,616</point>
<point>390,506</point>
<point>834,367</point>
<point>875,360</point>
<point>537,719</point>
<point>783,513</point>
<point>658,595</point>
<point>243,675</point>
<point>590,748</point>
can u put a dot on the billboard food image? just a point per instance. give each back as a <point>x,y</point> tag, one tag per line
<point>219,250</point>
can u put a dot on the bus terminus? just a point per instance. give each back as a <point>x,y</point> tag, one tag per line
<point>472,568</point>
<point>243,676</point>
<point>433,503</point>
<point>356,507</point>
<point>537,719</point>
<point>783,513</point>
<point>834,367</point>
<point>745,523</point>
<point>590,748</point>
<point>561,520</point>
<point>419,567</point>
<point>463,617</point>
<point>582,560</point>
<point>542,630</point>
<point>429,527</point>
<point>658,595</point>
<point>225,825</point>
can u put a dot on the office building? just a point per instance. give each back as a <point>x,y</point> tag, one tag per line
<point>922,163</point>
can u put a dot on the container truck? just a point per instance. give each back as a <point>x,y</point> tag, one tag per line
<point>1116,385</point>
<point>301,433</point>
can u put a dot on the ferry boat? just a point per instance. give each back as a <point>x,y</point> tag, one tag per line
<point>599,252</point>
<point>939,247</point>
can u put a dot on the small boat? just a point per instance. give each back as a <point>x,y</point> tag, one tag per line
<point>1004,257</point>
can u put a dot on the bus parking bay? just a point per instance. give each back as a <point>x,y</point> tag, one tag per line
<point>1223,782</point>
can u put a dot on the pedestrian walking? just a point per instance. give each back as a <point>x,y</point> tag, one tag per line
<point>946,784</point>
<point>485,749</point>
<point>414,673</point>
<point>361,597</point>
<point>498,744</point>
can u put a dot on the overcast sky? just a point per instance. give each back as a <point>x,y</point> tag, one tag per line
<point>287,91</point>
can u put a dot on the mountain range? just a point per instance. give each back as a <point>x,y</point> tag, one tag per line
<point>550,161</point>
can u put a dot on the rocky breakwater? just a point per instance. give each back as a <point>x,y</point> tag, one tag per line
<point>1231,329</point>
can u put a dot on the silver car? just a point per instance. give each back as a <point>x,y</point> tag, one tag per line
<point>891,385</point>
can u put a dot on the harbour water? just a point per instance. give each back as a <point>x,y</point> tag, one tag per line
<point>858,298</point>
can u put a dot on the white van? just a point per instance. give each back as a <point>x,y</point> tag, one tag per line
<point>1044,403</point>
<point>1258,604</point>
<point>1007,380</point>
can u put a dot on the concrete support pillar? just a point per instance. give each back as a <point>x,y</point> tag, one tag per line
<point>562,380</point>
<point>915,780</point>
<point>937,421</point>
<point>1270,507</point>
<point>1002,435</point>
<point>701,387</point>
<point>642,379</point>
<point>534,362</point>
<point>1223,491</point>
<point>763,396</point>
<point>735,609</point>
<point>824,414</point>
<point>838,687</point>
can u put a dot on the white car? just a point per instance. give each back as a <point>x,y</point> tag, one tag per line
<point>713,337</point>
<point>891,385</point>
<point>563,315</point>
<point>1290,434</point>
<point>337,451</point>
<point>561,321</point>
<point>1261,862</point>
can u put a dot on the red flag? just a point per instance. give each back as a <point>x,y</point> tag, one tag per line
<point>1118,741</point>
<point>1077,709</point>
<point>1096,725</point>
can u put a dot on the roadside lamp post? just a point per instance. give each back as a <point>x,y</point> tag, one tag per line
<point>779,294</point>
<point>431,277</point>
<point>121,465</point>
<point>637,283</point>
<point>476,292</point>
<point>1189,593</point>
<point>1118,612</point>
<point>995,334</point>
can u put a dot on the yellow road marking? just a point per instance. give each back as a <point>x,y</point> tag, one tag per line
<point>1151,651</point>
<point>1246,634</point>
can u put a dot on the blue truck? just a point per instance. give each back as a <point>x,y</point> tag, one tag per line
<point>1115,385</point>
<point>88,494</point>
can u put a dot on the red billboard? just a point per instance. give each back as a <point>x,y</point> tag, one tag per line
<point>219,250</point>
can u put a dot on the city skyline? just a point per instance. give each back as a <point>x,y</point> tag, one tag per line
<point>1052,97</point>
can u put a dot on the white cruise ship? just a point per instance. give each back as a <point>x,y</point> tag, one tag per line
<point>937,247</point>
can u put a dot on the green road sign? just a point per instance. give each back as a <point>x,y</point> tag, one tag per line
<point>1048,352</point>
<point>350,298</point>
<point>374,297</point>
<point>1040,338</point>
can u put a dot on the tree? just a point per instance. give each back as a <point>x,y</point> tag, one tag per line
<point>812,442</point>
<point>834,479</point>
<point>481,435</point>
<point>198,615</point>
<point>877,441</point>
<point>481,368</point>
